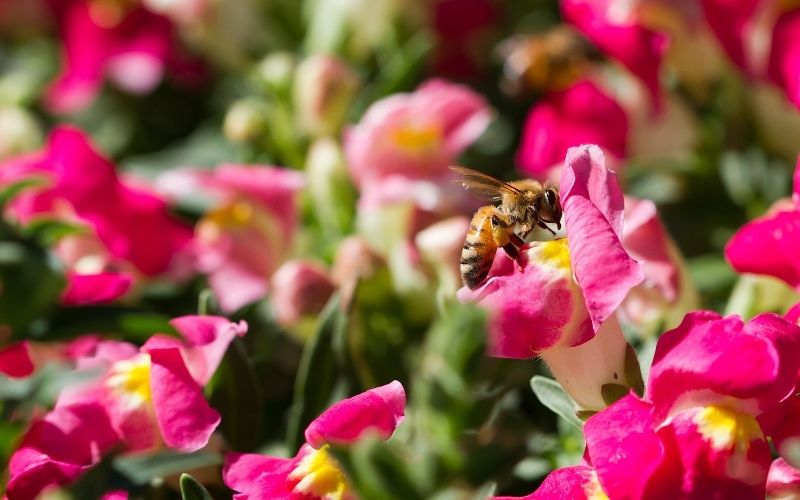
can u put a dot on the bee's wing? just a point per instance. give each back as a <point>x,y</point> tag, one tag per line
<point>482,184</point>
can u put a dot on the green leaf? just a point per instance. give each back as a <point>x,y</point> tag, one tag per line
<point>49,231</point>
<point>9,192</point>
<point>192,490</point>
<point>316,375</point>
<point>142,469</point>
<point>611,393</point>
<point>552,395</point>
<point>633,371</point>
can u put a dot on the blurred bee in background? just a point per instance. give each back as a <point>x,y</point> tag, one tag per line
<point>523,206</point>
<point>546,61</point>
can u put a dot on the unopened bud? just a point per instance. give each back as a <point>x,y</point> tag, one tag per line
<point>300,288</point>
<point>324,87</point>
<point>245,121</point>
<point>276,71</point>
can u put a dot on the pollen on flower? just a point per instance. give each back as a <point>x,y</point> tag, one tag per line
<point>554,253</point>
<point>593,489</point>
<point>726,429</point>
<point>320,476</point>
<point>130,379</point>
<point>417,138</point>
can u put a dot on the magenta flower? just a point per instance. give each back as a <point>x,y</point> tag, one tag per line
<point>243,239</point>
<point>84,187</point>
<point>313,473</point>
<point>581,114</point>
<point>615,28</point>
<point>578,482</point>
<point>777,235</point>
<point>698,433</point>
<point>58,448</point>
<point>144,398</point>
<point>784,58</point>
<point>15,360</point>
<point>127,44</point>
<point>416,135</point>
<point>730,21</point>
<point>568,287</point>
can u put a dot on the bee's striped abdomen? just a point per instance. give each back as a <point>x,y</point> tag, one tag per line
<point>479,248</point>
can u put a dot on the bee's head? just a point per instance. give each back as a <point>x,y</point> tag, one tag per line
<point>550,207</point>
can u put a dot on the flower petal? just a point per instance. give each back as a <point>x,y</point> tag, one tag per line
<point>208,338</point>
<point>257,476</point>
<point>15,360</point>
<point>98,288</point>
<point>593,212</point>
<point>379,410</point>
<point>784,57</point>
<point>699,363</point>
<point>783,480</point>
<point>622,438</point>
<point>768,245</point>
<point>184,417</point>
<point>581,114</point>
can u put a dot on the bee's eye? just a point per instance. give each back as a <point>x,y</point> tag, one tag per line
<point>550,197</point>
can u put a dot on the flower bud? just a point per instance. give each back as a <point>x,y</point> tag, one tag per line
<point>245,121</point>
<point>324,87</point>
<point>300,288</point>
<point>276,71</point>
<point>19,131</point>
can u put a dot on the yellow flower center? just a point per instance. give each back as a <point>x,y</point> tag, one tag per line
<point>319,475</point>
<point>726,429</point>
<point>554,253</point>
<point>130,379</point>
<point>418,139</point>
<point>593,489</point>
<point>232,216</point>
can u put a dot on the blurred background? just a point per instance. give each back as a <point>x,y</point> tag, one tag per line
<point>355,285</point>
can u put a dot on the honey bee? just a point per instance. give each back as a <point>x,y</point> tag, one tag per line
<point>523,205</point>
<point>543,62</point>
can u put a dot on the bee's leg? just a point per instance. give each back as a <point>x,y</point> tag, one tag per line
<point>512,251</point>
<point>516,240</point>
<point>543,225</point>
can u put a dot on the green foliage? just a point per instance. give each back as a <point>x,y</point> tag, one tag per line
<point>192,490</point>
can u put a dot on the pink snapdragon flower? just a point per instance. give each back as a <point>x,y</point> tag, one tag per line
<point>556,300</point>
<point>15,360</point>
<point>314,473</point>
<point>249,230</point>
<point>731,22</point>
<point>697,434</point>
<point>619,32</point>
<point>398,156</point>
<point>83,187</point>
<point>301,288</point>
<point>784,59</point>
<point>566,287</point>
<point>667,292</point>
<point>777,235</point>
<point>580,114</point>
<point>416,135</point>
<point>121,41</point>
<point>144,398</point>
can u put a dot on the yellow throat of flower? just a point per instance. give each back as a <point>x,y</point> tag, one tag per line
<point>554,253</point>
<point>417,139</point>
<point>231,216</point>
<point>593,489</point>
<point>320,476</point>
<point>130,379</point>
<point>726,429</point>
